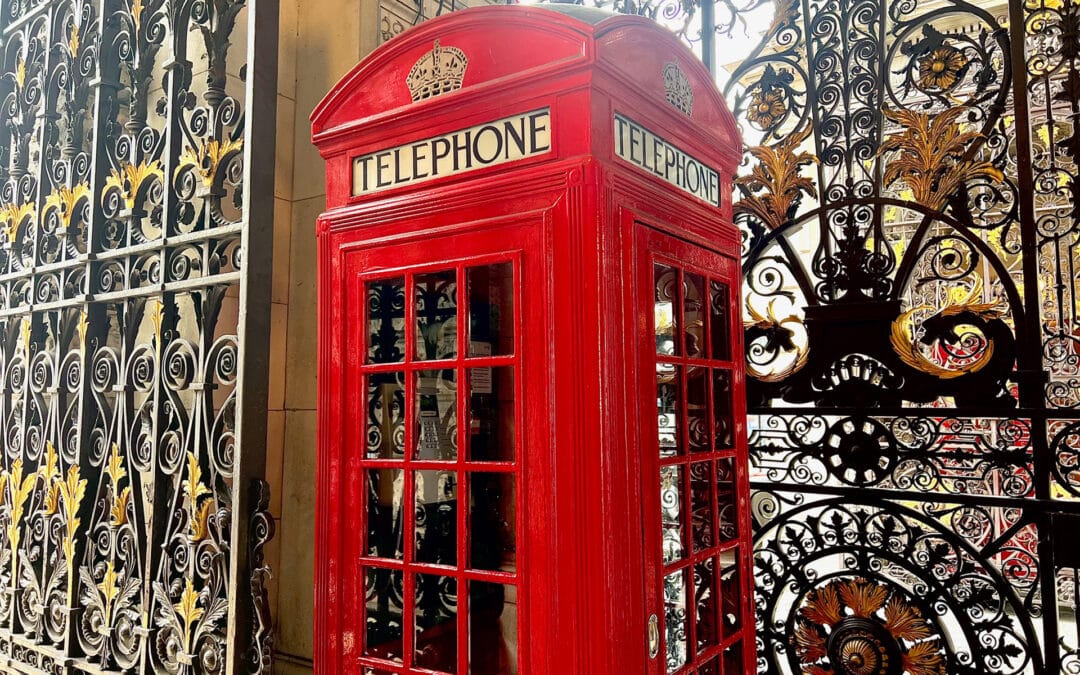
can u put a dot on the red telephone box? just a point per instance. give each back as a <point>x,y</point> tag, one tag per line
<point>532,446</point>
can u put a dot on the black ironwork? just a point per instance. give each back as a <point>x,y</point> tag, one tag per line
<point>133,333</point>
<point>911,249</point>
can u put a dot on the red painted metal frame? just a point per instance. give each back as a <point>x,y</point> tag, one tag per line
<point>571,221</point>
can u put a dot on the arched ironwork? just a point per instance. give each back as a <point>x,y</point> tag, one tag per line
<point>133,329</point>
<point>911,254</point>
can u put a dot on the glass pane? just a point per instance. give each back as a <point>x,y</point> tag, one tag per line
<point>711,668</point>
<point>667,409</point>
<point>733,660</point>
<point>491,414</point>
<point>492,629</point>
<point>436,517</point>
<point>436,623</point>
<point>491,310</point>
<point>731,592</point>
<point>386,320</point>
<point>675,629</point>
<point>701,482</point>
<point>436,414</point>
<point>720,321</point>
<point>697,408</point>
<point>492,517</point>
<point>705,601</point>
<point>665,282</point>
<point>383,592</point>
<point>385,495</point>
<point>725,427</point>
<point>368,670</point>
<point>671,491</point>
<point>727,513</point>
<point>436,315</point>
<point>694,314</point>
<point>386,416</point>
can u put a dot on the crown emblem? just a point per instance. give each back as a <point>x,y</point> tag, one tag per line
<point>677,88</point>
<point>439,71</point>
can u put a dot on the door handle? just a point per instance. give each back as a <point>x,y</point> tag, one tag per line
<point>654,636</point>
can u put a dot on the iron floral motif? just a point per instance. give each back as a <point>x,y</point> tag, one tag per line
<point>859,627</point>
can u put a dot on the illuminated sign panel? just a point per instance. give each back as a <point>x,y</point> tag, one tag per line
<point>489,144</point>
<point>646,150</point>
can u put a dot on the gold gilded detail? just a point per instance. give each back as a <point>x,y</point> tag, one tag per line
<point>209,157</point>
<point>13,217</point>
<point>440,71</point>
<point>66,201</point>
<point>902,334</point>
<point>130,181</point>
<point>775,187</point>
<point>933,159</point>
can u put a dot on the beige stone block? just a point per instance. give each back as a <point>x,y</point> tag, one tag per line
<point>279,326</point>
<point>301,364</point>
<point>283,148</point>
<point>275,457</point>
<point>287,48</point>
<point>294,634</point>
<point>282,227</point>
<point>282,667</point>
<point>327,47</point>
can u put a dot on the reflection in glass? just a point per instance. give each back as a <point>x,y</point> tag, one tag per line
<point>722,409</point>
<point>436,315</point>
<point>383,593</point>
<point>726,511</point>
<point>731,592</point>
<point>675,629</point>
<point>436,414</point>
<point>386,416</point>
<point>697,408</point>
<point>436,623</point>
<point>385,495</point>
<point>667,409</point>
<point>492,629</point>
<point>720,321</point>
<point>491,310</point>
<point>671,512</point>
<point>694,314</point>
<point>711,668</point>
<point>492,517</point>
<point>386,320</point>
<point>705,601</point>
<point>368,670</point>
<point>665,282</point>
<point>701,504</point>
<point>733,660</point>
<point>435,523</point>
<point>491,414</point>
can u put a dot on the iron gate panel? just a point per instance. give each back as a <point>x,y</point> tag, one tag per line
<point>133,333</point>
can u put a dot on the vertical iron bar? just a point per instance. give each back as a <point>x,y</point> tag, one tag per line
<point>253,330</point>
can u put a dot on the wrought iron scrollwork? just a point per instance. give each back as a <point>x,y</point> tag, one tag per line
<point>122,171</point>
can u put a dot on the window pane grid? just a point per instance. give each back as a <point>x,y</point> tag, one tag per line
<point>699,318</point>
<point>435,469</point>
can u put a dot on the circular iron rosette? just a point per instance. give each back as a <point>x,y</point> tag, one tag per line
<point>875,588</point>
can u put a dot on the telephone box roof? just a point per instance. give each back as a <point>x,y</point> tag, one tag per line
<point>513,46</point>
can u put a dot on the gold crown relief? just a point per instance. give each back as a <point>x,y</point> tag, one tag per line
<point>439,71</point>
<point>677,88</point>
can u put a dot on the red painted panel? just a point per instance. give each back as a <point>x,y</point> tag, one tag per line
<point>489,433</point>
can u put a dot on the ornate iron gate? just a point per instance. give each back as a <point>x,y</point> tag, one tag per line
<point>134,267</point>
<point>913,327</point>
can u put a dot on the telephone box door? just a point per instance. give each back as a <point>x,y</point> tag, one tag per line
<point>437,369</point>
<point>697,538</point>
